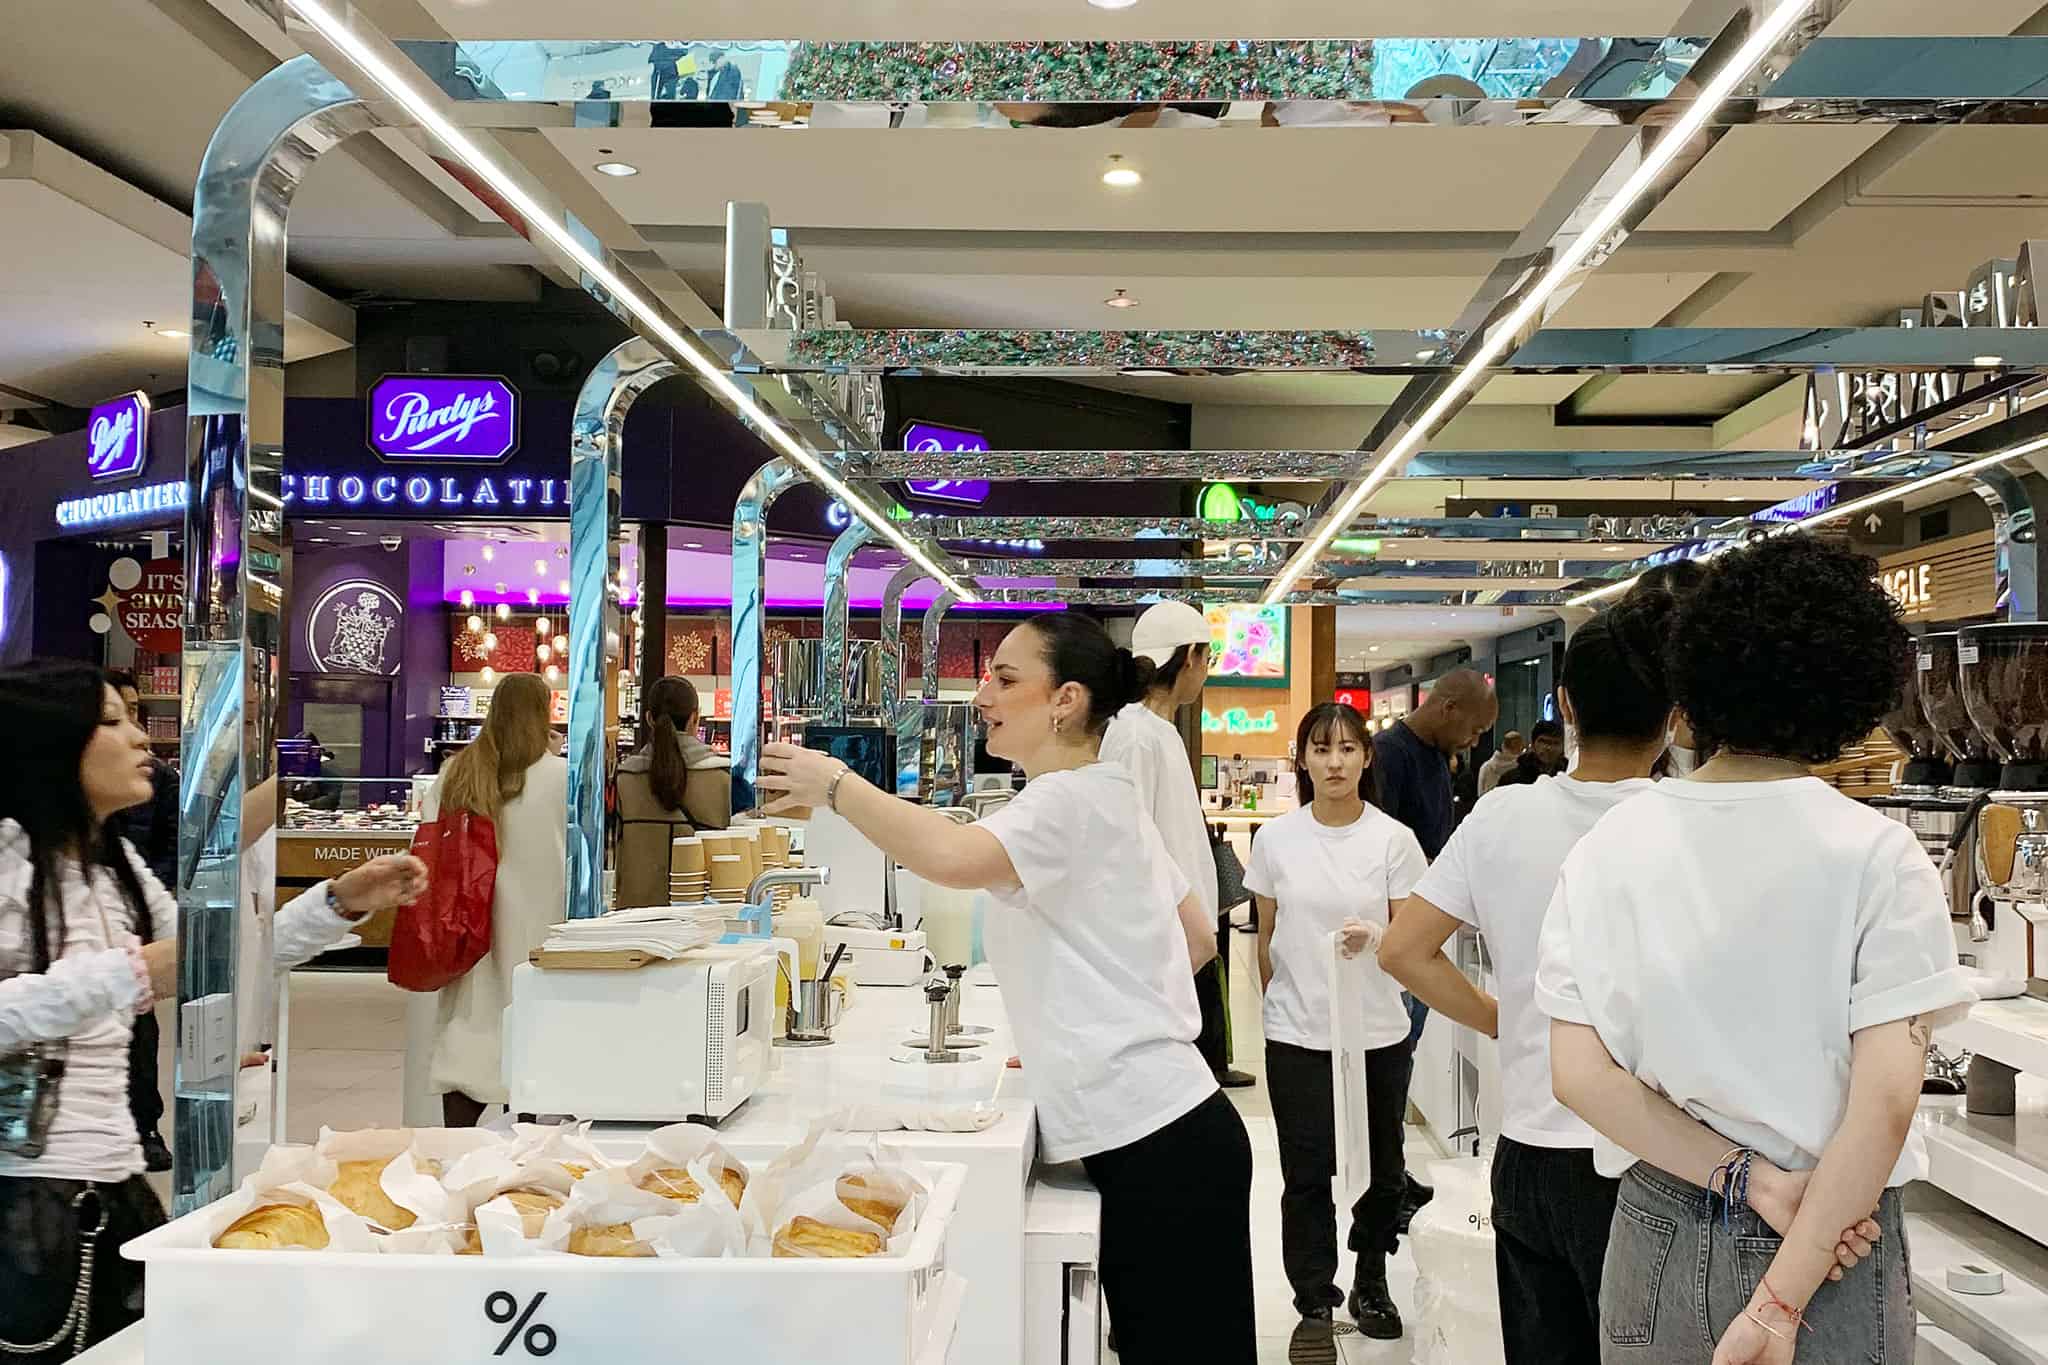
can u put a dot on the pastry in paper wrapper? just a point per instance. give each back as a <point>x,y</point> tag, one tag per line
<point>511,1223</point>
<point>288,1176</point>
<point>805,1182</point>
<point>568,1143</point>
<point>393,1177</point>
<point>684,1155</point>
<point>807,1238</point>
<point>276,1227</point>
<point>606,1201</point>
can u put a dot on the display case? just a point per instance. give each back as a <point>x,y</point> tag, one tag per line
<point>332,824</point>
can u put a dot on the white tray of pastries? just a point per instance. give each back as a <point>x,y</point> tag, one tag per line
<point>418,1247</point>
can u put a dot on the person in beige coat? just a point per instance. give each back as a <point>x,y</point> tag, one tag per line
<point>674,786</point>
<point>511,774</point>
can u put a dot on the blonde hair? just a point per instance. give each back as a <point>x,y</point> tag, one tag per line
<point>492,770</point>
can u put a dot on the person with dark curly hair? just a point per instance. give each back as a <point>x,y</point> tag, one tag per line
<point>1743,971</point>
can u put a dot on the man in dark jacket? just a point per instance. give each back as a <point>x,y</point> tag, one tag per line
<point>152,828</point>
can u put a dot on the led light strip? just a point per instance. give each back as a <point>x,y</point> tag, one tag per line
<point>1674,140</point>
<point>417,105</point>
<point>1847,509</point>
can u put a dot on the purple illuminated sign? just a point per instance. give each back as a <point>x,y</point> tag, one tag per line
<point>929,437</point>
<point>443,417</point>
<point>117,436</point>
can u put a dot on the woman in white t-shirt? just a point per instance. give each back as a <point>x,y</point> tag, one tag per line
<point>1170,644</point>
<point>1337,858</point>
<point>1095,955</point>
<point>1745,968</point>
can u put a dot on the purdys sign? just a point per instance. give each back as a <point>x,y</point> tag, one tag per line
<point>931,438</point>
<point>443,417</point>
<point>117,436</point>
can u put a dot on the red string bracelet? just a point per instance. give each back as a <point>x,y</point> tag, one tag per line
<point>1783,1307</point>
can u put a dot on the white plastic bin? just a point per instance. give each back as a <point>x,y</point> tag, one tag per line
<point>328,1308</point>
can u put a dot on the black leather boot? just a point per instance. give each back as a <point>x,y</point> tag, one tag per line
<point>1371,1306</point>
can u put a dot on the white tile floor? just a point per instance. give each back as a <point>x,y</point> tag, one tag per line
<point>346,1069</point>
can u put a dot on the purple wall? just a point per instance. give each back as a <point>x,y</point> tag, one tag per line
<point>426,653</point>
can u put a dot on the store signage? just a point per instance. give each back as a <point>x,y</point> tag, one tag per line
<point>1227,502</point>
<point>151,609</point>
<point>931,438</point>
<point>1911,587</point>
<point>1800,508</point>
<point>443,417</point>
<point>838,518</point>
<point>1357,699</point>
<point>103,509</point>
<point>117,437</point>
<point>1238,721</point>
<point>351,628</point>
<point>423,491</point>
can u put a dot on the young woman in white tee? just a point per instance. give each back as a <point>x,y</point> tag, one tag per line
<point>1095,953</point>
<point>1744,969</point>
<point>1336,858</point>
<point>1551,1208</point>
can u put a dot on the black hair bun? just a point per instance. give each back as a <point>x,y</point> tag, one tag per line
<point>1132,675</point>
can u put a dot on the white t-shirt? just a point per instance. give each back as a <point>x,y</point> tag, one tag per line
<point>1727,938</point>
<point>1321,875</point>
<point>1151,748</point>
<point>1094,964</point>
<point>1496,874</point>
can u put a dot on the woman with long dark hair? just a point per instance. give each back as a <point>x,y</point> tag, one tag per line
<point>511,775</point>
<point>1335,860</point>
<point>675,785</point>
<point>1743,970</point>
<point>1095,947</point>
<point>73,896</point>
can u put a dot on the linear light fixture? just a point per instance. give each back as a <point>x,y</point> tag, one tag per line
<point>372,65</point>
<point>1847,509</point>
<point>1675,139</point>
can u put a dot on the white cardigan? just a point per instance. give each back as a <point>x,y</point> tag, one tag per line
<point>90,995</point>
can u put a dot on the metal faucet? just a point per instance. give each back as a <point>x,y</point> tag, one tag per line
<point>804,878</point>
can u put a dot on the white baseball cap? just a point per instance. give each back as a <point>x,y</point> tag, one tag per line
<point>1165,627</point>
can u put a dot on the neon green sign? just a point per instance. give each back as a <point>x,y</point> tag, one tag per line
<point>1219,502</point>
<point>1238,721</point>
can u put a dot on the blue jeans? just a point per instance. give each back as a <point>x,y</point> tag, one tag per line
<point>1678,1272</point>
<point>1418,1015</point>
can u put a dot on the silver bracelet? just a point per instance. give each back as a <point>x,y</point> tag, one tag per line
<point>832,788</point>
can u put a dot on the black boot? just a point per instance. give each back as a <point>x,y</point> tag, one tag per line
<point>1371,1306</point>
<point>1413,1197</point>
<point>1315,1338</point>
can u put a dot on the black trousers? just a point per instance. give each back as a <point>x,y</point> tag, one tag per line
<point>145,1095</point>
<point>1176,1254</point>
<point>1213,1042</point>
<point>1551,1212</point>
<point>42,1227</point>
<point>1304,1113</point>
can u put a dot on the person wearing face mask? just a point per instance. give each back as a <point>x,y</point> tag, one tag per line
<point>1095,940</point>
<point>1551,1207</point>
<point>1171,645</point>
<point>73,896</point>
<point>1334,859</point>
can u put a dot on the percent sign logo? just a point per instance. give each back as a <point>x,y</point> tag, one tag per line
<point>502,1308</point>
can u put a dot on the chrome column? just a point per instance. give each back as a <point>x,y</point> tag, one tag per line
<point>838,561</point>
<point>608,394</point>
<point>749,602</point>
<point>905,719</point>
<point>235,566</point>
<point>933,614</point>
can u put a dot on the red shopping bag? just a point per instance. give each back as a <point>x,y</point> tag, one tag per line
<point>448,930</point>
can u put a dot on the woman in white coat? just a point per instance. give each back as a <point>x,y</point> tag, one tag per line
<point>511,775</point>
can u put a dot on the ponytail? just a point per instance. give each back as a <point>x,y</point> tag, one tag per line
<point>671,710</point>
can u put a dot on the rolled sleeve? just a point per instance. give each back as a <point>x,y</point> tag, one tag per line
<point>1557,979</point>
<point>1905,946</point>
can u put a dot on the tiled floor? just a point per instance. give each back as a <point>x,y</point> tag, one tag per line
<point>346,1064</point>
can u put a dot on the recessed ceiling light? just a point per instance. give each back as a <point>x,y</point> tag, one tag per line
<point>173,333</point>
<point>1120,299</point>
<point>1112,4</point>
<point>617,169</point>
<point>1121,177</point>
<point>1427,354</point>
<point>693,545</point>
<point>1372,649</point>
<point>1987,361</point>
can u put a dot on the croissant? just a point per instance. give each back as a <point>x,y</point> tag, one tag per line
<point>575,1171</point>
<point>734,1183</point>
<point>276,1227</point>
<point>807,1237</point>
<point>612,1239</point>
<point>357,1189</point>
<point>672,1182</point>
<point>878,1204</point>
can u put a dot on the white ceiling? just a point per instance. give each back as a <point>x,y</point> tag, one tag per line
<point>1370,638</point>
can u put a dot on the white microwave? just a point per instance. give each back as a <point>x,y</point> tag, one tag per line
<point>685,1039</point>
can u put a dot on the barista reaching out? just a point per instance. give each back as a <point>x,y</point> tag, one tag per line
<point>1097,949</point>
